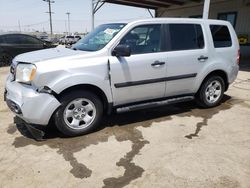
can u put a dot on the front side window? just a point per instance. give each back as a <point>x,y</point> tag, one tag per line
<point>99,38</point>
<point>186,37</point>
<point>143,39</point>
<point>221,36</point>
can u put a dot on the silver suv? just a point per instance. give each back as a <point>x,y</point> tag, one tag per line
<point>124,67</point>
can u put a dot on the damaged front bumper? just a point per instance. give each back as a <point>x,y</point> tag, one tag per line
<point>28,104</point>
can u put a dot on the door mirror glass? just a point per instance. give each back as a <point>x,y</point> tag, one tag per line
<point>122,50</point>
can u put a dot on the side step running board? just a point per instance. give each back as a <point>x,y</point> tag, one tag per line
<point>153,104</point>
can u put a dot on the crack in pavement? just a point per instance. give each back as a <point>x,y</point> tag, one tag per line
<point>113,126</point>
<point>132,171</point>
<point>206,114</point>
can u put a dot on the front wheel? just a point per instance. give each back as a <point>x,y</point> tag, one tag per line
<point>211,92</point>
<point>80,113</point>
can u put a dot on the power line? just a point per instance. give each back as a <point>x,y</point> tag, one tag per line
<point>26,25</point>
<point>50,16</point>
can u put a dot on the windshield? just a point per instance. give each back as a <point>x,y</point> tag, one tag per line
<point>100,37</point>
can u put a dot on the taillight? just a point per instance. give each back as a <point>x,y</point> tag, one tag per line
<point>238,57</point>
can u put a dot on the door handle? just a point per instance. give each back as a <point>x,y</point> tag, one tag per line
<point>202,58</point>
<point>157,64</point>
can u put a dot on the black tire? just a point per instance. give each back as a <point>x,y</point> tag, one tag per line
<point>203,99</point>
<point>63,124</point>
<point>5,59</point>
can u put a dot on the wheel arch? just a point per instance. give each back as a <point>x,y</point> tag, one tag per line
<point>217,72</point>
<point>88,87</point>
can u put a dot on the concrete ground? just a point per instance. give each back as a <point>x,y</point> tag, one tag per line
<point>174,146</point>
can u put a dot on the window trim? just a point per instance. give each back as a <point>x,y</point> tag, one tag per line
<point>226,13</point>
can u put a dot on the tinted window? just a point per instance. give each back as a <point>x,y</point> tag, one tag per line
<point>1,40</point>
<point>30,40</point>
<point>144,39</point>
<point>21,39</point>
<point>186,36</point>
<point>12,39</point>
<point>221,36</point>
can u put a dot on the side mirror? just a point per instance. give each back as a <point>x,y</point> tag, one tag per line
<point>122,51</point>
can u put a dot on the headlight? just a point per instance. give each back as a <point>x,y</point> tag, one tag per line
<point>25,73</point>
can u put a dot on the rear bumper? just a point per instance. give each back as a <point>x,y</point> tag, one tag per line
<point>233,73</point>
<point>28,104</point>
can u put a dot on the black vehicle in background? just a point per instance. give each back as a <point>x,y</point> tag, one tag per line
<point>14,44</point>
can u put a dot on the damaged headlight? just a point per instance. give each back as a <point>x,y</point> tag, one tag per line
<point>25,73</point>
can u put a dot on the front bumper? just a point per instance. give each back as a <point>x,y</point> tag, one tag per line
<point>28,104</point>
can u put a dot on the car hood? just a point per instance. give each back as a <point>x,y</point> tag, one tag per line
<point>46,54</point>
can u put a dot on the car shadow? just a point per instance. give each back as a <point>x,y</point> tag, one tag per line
<point>140,118</point>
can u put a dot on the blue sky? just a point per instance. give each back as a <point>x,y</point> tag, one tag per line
<point>32,16</point>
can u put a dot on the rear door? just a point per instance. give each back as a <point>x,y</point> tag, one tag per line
<point>187,55</point>
<point>140,76</point>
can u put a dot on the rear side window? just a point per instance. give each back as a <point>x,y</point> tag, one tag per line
<point>12,39</point>
<point>186,36</point>
<point>221,36</point>
<point>30,40</point>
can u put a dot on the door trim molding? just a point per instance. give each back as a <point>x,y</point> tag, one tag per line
<point>156,80</point>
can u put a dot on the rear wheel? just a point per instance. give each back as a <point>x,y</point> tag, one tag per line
<point>80,113</point>
<point>211,92</point>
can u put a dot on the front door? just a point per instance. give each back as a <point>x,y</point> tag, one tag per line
<point>139,77</point>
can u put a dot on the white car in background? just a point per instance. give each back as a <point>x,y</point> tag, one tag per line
<point>69,39</point>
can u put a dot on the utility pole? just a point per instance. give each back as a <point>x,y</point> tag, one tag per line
<point>50,16</point>
<point>68,13</point>
<point>19,25</point>
<point>92,15</point>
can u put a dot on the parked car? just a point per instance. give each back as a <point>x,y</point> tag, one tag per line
<point>14,44</point>
<point>44,37</point>
<point>77,37</point>
<point>69,39</point>
<point>124,67</point>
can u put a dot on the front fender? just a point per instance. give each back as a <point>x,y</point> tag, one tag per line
<point>70,80</point>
